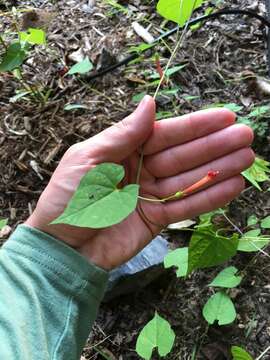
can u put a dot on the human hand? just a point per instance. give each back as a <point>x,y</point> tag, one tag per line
<point>178,152</point>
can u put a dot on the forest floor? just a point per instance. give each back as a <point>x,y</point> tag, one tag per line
<point>34,136</point>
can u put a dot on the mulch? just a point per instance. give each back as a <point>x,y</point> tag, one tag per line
<point>35,135</point>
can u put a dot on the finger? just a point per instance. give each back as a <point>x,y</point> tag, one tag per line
<point>117,142</point>
<point>227,166</point>
<point>198,152</point>
<point>212,198</point>
<point>175,131</point>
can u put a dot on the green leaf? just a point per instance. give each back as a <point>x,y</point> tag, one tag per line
<point>252,220</point>
<point>13,58</point>
<point>265,224</point>
<point>69,107</point>
<point>258,172</point>
<point>233,107</point>
<point>206,219</point>
<point>252,241</point>
<point>33,36</point>
<point>208,249</point>
<point>163,115</point>
<point>138,97</point>
<point>3,222</point>
<point>259,111</point>
<point>157,333</point>
<point>178,258</point>
<point>141,48</point>
<point>98,202</point>
<point>178,11</point>
<point>169,72</point>
<point>227,278</point>
<point>19,95</point>
<point>240,354</point>
<point>221,308</point>
<point>81,67</point>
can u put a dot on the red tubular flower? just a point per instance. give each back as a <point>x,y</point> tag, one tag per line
<point>199,184</point>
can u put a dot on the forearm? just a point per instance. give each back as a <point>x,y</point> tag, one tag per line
<point>49,297</point>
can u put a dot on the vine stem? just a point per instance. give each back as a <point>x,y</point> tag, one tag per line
<point>242,234</point>
<point>178,44</point>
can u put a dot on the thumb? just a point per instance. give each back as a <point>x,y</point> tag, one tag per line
<point>122,139</point>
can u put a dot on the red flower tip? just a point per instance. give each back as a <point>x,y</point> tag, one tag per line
<point>212,174</point>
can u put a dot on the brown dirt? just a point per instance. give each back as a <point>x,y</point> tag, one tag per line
<point>216,56</point>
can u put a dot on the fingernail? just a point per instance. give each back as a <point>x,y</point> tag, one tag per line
<point>144,101</point>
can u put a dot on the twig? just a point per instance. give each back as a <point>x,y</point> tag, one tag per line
<point>263,353</point>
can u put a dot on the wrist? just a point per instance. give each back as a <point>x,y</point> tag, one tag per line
<point>75,238</point>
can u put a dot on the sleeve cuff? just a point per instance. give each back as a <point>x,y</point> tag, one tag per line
<point>58,259</point>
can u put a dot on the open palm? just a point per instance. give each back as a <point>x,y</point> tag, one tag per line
<point>178,152</point>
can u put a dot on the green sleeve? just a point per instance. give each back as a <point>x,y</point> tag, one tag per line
<point>49,297</point>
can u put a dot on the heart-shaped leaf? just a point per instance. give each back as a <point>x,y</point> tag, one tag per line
<point>178,11</point>
<point>240,354</point>
<point>227,278</point>
<point>157,333</point>
<point>81,67</point>
<point>33,36</point>
<point>98,202</point>
<point>208,249</point>
<point>252,220</point>
<point>13,58</point>
<point>252,241</point>
<point>219,307</point>
<point>265,224</point>
<point>178,258</point>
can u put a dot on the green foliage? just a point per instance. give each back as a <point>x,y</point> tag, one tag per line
<point>81,67</point>
<point>33,36</point>
<point>171,71</point>
<point>98,202</point>
<point>3,222</point>
<point>178,11</point>
<point>179,259</point>
<point>227,278</point>
<point>20,94</point>
<point>254,119</point>
<point>252,220</point>
<point>13,57</point>
<point>258,172</point>
<point>156,334</point>
<point>252,241</point>
<point>141,48</point>
<point>206,219</point>
<point>118,7</point>
<point>233,107</point>
<point>207,249</point>
<point>163,115</point>
<point>219,307</point>
<point>265,223</point>
<point>240,354</point>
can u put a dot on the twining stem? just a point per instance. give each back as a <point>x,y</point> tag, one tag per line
<point>178,44</point>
